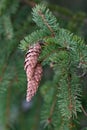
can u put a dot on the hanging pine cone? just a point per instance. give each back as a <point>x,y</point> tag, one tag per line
<point>34,82</point>
<point>33,70</point>
<point>31,59</point>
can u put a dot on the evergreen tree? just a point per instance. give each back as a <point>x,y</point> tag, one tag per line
<point>60,101</point>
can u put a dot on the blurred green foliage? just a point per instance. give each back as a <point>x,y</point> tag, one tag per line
<point>15,23</point>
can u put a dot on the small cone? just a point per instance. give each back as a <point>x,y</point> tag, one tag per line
<point>31,60</point>
<point>33,70</point>
<point>34,82</point>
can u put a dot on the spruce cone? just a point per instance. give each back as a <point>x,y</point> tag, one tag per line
<point>33,70</point>
<point>34,82</point>
<point>31,60</point>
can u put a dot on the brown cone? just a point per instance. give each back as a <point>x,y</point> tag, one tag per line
<point>31,60</point>
<point>34,82</point>
<point>33,70</point>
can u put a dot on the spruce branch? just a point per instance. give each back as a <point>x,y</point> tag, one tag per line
<point>67,51</point>
<point>43,17</point>
<point>46,23</point>
<point>33,38</point>
<point>53,106</point>
<point>69,91</point>
<point>42,59</point>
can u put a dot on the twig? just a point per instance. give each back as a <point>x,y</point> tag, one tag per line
<point>46,23</point>
<point>69,87</point>
<point>53,106</point>
<point>85,113</point>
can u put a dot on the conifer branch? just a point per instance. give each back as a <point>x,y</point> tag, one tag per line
<point>53,51</point>
<point>69,92</point>
<point>46,23</point>
<point>53,106</point>
<point>66,50</point>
